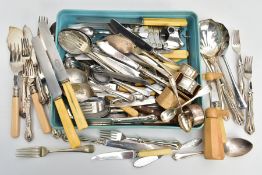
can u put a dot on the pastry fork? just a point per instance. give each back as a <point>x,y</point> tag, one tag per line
<point>236,46</point>
<point>118,136</point>
<point>249,128</point>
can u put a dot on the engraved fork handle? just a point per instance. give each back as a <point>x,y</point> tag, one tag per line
<point>42,94</point>
<point>250,127</point>
<point>241,102</point>
<point>240,71</point>
<point>237,115</point>
<point>28,120</point>
<point>23,98</point>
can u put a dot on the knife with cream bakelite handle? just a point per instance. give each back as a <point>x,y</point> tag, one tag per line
<point>61,73</point>
<point>56,92</point>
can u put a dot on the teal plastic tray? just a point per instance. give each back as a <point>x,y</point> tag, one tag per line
<point>66,17</point>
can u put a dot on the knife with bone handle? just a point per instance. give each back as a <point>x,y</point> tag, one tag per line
<point>56,92</point>
<point>60,72</point>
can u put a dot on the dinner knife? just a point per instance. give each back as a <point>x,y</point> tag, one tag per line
<point>131,154</point>
<point>61,73</point>
<point>116,27</point>
<point>55,91</point>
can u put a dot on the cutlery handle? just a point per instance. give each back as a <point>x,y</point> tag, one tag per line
<point>74,106</point>
<point>67,123</point>
<point>181,22</point>
<point>44,123</point>
<point>15,121</point>
<point>155,152</point>
<point>178,156</point>
<point>177,54</point>
<point>250,127</point>
<point>175,144</point>
<point>239,97</point>
<point>130,111</point>
<point>83,149</point>
<point>240,72</point>
<point>237,115</point>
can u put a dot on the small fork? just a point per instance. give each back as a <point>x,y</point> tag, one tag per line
<point>41,151</point>
<point>249,127</point>
<point>16,64</point>
<point>26,52</point>
<point>118,136</point>
<point>236,46</point>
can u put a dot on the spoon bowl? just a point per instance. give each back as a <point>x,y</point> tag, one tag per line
<point>210,39</point>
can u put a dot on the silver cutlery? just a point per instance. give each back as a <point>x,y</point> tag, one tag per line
<point>41,151</point>
<point>16,64</point>
<point>236,46</point>
<point>234,147</point>
<point>249,127</point>
<point>118,136</point>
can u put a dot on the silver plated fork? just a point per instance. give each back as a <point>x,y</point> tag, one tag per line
<point>118,136</point>
<point>249,127</point>
<point>16,64</point>
<point>236,46</point>
<point>41,151</point>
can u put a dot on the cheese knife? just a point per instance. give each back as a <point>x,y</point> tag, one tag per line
<point>55,91</point>
<point>61,73</point>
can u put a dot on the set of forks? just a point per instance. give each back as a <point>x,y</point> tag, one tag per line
<point>245,73</point>
<point>24,66</point>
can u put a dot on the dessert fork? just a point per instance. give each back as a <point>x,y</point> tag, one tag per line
<point>16,65</point>
<point>31,77</point>
<point>118,136</point>
<point>236,46</point>
<point>41,151</point>
<point>249,127</point>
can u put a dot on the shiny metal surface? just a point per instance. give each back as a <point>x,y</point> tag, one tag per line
<point>115,155</point>
<point>225,43</point>
<point>46,68</point>
<point>53,55</point>
<point>250,125</point>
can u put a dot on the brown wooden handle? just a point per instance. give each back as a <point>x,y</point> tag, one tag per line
<point>182,22</point>
<point>213,138</point>
<point>15,120</point>
<point>130,111</point>
<point>67,124</point>
<point>74,106</point>
<point>148,110</point>
<point>43,120</point>
<point>155,152</point>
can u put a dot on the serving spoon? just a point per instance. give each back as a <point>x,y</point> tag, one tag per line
<point>234,147</point>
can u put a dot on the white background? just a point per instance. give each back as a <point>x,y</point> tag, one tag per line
<point>244,15</point>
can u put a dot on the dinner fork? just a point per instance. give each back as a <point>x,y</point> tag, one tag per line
<point>249,127</point>
<point>16,65</point>
<point>118,136</point>
<point>26,52</point>
<point>41,151</point>
<point>31,77</point>
<point>236,46</point>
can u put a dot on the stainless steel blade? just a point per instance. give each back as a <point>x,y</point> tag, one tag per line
<point>115,155</point>
<point>129,145</point>
<point>52,51</point>
<point>108,49</point>
<point>46,68</point>
<point>148,101</point>
<point>144,161</point>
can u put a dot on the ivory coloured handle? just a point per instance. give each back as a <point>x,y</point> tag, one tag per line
<point>15,120</point>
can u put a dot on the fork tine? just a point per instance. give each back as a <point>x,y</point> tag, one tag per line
<point>28,156</point>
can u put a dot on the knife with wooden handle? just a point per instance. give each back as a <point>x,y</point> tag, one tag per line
<point>56,92</point>
<point>61,74</point>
